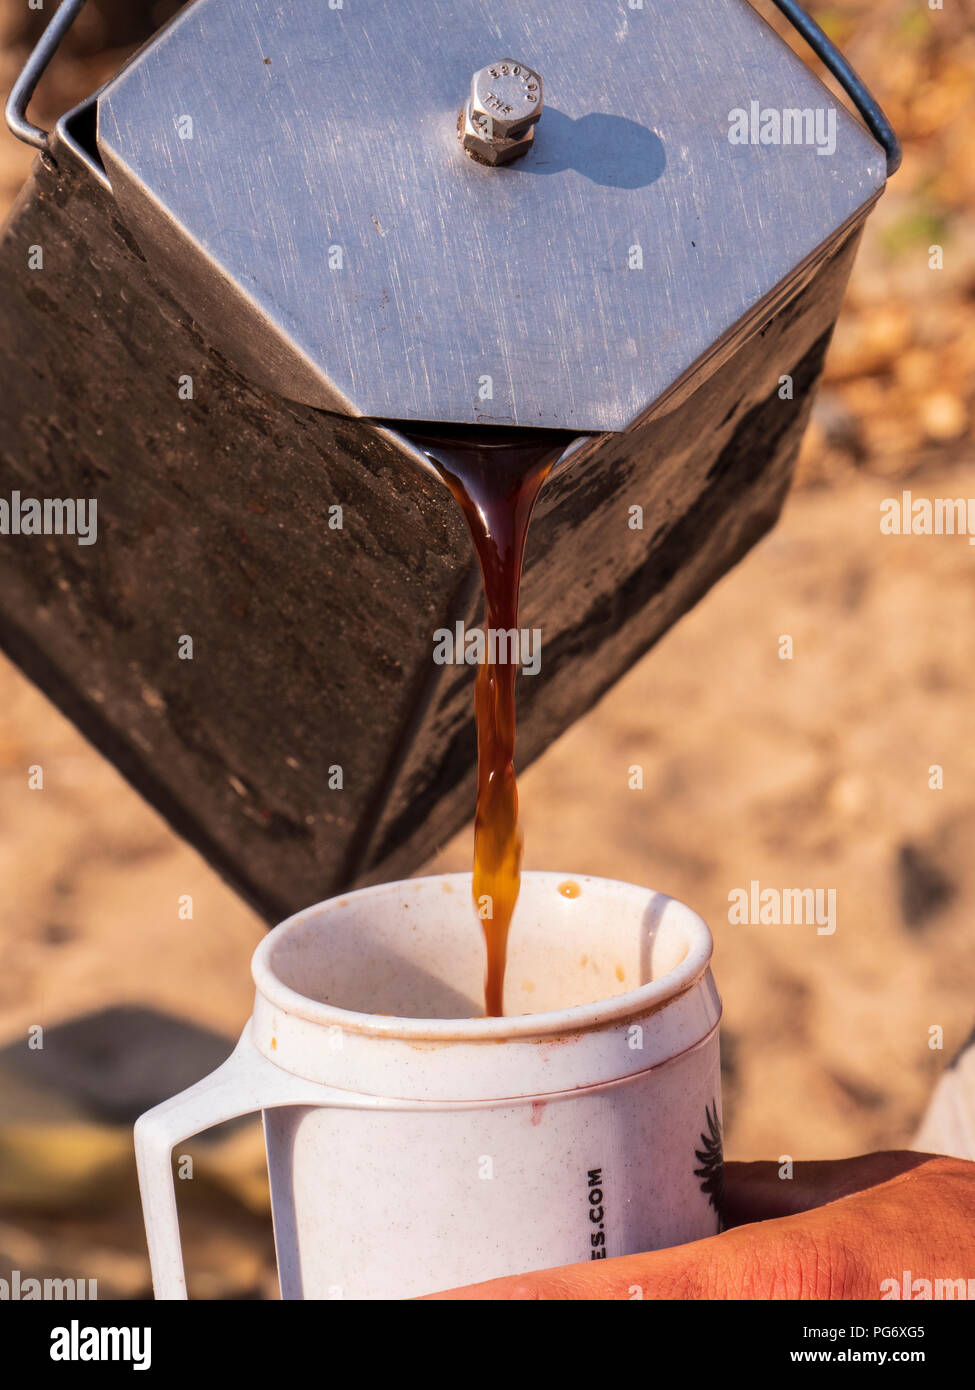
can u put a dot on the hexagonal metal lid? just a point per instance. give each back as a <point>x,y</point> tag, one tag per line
<point>295,171</point>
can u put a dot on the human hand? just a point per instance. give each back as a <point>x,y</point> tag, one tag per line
<point>836,1230</point>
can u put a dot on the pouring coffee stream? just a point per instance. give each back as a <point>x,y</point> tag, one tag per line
<point>496,477</point>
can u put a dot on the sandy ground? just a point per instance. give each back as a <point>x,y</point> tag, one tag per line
<point>812,772</point>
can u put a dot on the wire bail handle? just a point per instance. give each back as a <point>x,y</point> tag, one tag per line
<point>819,42</point>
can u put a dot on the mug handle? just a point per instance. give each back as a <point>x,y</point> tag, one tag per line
<point>246,1082</point>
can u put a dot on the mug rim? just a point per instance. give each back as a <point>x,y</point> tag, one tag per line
<point>577,1018</point>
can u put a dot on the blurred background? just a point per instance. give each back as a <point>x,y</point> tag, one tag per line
<point>809,772</point>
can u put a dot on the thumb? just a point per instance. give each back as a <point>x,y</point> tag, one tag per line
<point>719,1267</point>
<point>761,1191</point>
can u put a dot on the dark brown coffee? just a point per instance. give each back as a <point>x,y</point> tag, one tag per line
<point>496,477</point>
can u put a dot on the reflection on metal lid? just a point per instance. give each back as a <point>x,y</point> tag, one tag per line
<point>297,175</point>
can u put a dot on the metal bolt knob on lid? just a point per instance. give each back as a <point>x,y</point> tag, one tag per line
<point>498,122</point>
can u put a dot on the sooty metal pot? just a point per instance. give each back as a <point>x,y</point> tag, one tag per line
<point>287,238</point>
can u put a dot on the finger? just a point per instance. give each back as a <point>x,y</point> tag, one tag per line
<point>762,1191</point>
<point>772,1259</point>
<point>624,1278</point>
<point>758,1261</point>
<point>844,1249</point>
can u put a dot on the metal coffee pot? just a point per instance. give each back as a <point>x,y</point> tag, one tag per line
<point>256,276</point>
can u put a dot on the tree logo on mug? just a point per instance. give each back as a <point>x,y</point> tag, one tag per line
<point>711,1158</point>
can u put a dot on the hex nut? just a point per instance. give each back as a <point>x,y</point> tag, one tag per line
<point>478,142</point>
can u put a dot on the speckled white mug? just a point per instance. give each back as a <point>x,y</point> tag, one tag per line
<point>413,1146</point>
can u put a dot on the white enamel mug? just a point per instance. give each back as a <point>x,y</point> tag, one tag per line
<point>414,1146</point>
